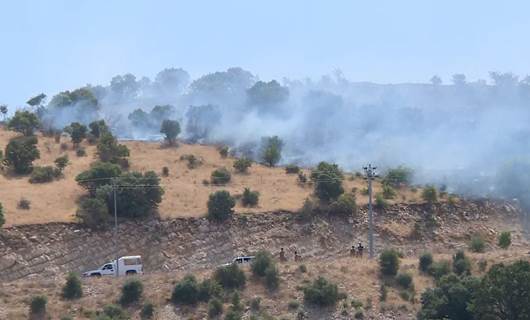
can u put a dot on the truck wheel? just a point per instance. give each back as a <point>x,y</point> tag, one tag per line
<point>97,275</point>
<point>130,272</point>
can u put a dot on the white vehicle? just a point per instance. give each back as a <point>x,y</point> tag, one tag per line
<point>128,265</point>
<point>242,260</point>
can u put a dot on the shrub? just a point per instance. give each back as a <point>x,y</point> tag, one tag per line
<point>230,277</point>
<point>292,168</point>
<point>250,198</point>
<point>271,150</point>
<point>24,204</point>
<point>440,268</point>
<point>344,206</point>
<point>99,174</point>
<point>61,162</point>
<point>186,291</point>
<point>477,244</point>
<point>388,192</point>
<point>92,212</point>
<point>404,280</point>
<point>42,174</point>
<point>38,305</point>
<point>242,164</point>
<point>397,177</point>
<point>165,171</point>
<point>302,268</point>
<point>321,292</point>
<point>308,209</point>
<point>380,201</point>
<point>328,181</point>
<point>293,305</point>
<point>223,152</point>
<point>220,176</point>
<point>383,293</point>
<point>255,303</point>
<point>215,308</point>
<point>20,154</point>
<point>131,292</point>
<point>80,152</point>
<point>425,261</point>
<point>505,239</point>
<point>97,128</point>
<point>72,289</point>
<point>113,312</point>
<point>77,132</point>
<point>272,278</point>
<point>220,205</point>
<point>262,261</point>
<point>389,262</point>
<point>429,194</point>
<point>24,122</point>
<point>209,288</point>
<point>193,162</point>
<point>148,311</point>
<point>109,150</point>
<point>2,218</point>
<point>171,129</point>
<point>482,265</point>
<point>461,264</point>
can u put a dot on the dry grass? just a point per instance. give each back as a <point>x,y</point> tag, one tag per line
<point>185,194</point>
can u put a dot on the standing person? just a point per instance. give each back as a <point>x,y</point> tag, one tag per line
<point>282,255</point>
<point>353,253</point>
<point>360,249</point>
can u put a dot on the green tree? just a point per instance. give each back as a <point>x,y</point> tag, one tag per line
<point>37,307</point>
<point>220,205</point>
<point>186,291</point>
<point>425,261</point>
<point>171,129</point>
<point>461,263</point>
<point>97,128</point>
<point>271,150</point>
<point>72,289</point>
<point>36,100</point>
<point>3,111</point>
<point>504,293</point>
<point>321,292</point>
<point>24,122</point>
<point>430,194</point>
<point>397,177</point>
<point>327,178</point>
<point>131,292</point>
<point>267,93</point>
<point>242,164</point>
<point>389,262</point>
<point>505,239</point>
<point>61,162</point>
<point>230,277</point>
<point>109,150</point>
<point>99,174</point>
<point>93,213</point>
<point>249,198</point>
<point>20,153</point>
<point>2,218</point>
<point>261,262</point>
<point>220,176</point>
<point>344,206</point>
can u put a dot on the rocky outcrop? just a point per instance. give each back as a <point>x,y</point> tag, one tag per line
<point>192,243</point>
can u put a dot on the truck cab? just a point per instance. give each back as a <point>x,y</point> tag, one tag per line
<point>128,265</point>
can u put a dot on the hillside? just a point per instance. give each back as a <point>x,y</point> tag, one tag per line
<point>185,194</point>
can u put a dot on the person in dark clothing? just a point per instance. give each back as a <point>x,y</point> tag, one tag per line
<point>360,249</point>
<point>282,255</point>
<point>353,253</point>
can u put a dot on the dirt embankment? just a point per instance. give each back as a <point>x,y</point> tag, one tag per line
<point>188,244</point>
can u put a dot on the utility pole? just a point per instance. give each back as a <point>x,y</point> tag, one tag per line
<point>115,226</point>
<point>370,175</point>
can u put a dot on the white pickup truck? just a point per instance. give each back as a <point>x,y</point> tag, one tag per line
<point>128,265</point>
<point>241,260</point>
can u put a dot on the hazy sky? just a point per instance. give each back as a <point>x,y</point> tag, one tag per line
<point>47,46</point>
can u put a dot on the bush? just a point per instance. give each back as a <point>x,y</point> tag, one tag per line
<point>380,201</point>
<point>388,192</point>
<point>230,277</point>
<point>344,206</point>
<point>308,209</point>
<point>61,163</point>
<point>20,154</point>
<point>131,292</point>
<point>99,174</point>
<point>328,181</point>
<point>242,164</point>
<point>397,177</point>
<point>461,264</point>
<point>109,150</point>
<point>24,122</point>
<point>171,129</point>
<point>38,305</point>
<point>271,150</point>
<point>255,304</point>
<point>72,289</point>
<point>321,292</point>
<point>223,152</point>
<point>209,288</point>
<point>440,268</point>
<point>97,128</point>
<point>220,205</point>
<point>148,311</point>
<point>92,212</point>
<point>389,262</point>
<point>165,171</point>
<point>24,204</point>
<point>77,132</point>
<point>292,168</point>
<point>215,308</point>
<point>220,176</point>
<point>477,244</point>
<point>113,312</point>
<point>293,305</point>
<point>425,261</point>
<point>429,194</point>
<point>80,152</point>
<point>404,280</point>
<point>42,174</point>
<point>250,198</point>
<point>186,291</point>
<point>193,162</point>
<point>2,218</point>
<point>272,278</point>
<point>262,261</point>
<point>505,239</point>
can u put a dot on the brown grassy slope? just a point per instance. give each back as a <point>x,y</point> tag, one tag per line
<point>185,193</point>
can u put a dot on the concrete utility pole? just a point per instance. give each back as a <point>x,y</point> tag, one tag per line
<point>115,227</point>
<point>370,175</point>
